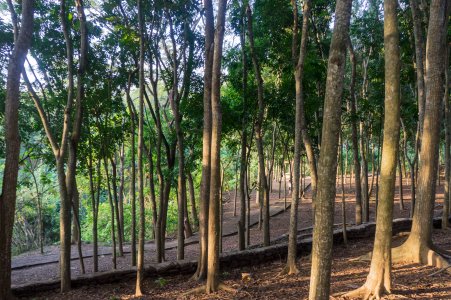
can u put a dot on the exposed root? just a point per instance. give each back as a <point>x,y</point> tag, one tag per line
<point>364,257</point>
<point>195,291</point>
<point>440,271</point>
<point>367,292</point>
<point>289,270</point>
<point>203,289</point>
<point>420,254</point>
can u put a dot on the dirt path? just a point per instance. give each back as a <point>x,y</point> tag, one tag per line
<point>46,266</point>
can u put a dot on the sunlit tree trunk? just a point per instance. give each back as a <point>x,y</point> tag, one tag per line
<point>201,272</point>
<point>379,279</point>
<point>327,166</point>
<point>212,284</point>
<point>22,42</point>
<point>418,247</point>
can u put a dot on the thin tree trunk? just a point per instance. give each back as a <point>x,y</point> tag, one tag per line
<point>110,200</point>
<point>116,207</point>
<point>401,194</point>
<point>354,139</point>
<point>298,60</point>
<point>192,198</point>
<point>343,197</point>
<point>140,258</point>
<point>263,185</point>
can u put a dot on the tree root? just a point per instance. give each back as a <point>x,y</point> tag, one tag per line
<point>203,289</point>
<point>368,291</point>
<point>289,270</point>
<point>363,258</point>
<point>421,254</point>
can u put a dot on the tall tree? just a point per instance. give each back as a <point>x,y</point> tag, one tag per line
<point>418,247</point>
<point>212,284</point>
<point>354,136</point>
<point>327,166</point>
<point>263,188</point>
<point>141,236</point>
<point>300,132</point>
<point>201,272</point>
<point>379,279</point>
<point>22,42</point>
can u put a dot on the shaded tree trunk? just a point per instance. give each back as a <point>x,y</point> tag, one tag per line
<point>298,60</point>
<point>263,184</point>
<point>354,138</point>
<point>140,258</point>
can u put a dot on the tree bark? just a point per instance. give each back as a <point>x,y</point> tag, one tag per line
<point>212,284</point>
<point>263,184</point>
<point>354,138</point>
<point>327,167</point>
<point>140,259</point>
<point>379,279</point>
<point>418,248</point>
<point>201,272</point>
<point>447,195</point>
<point>22,42</point>
<point>299,60</point>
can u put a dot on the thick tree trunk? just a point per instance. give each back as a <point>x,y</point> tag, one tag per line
<point>379,279</point>
<point>22,42</point>
<point>201,272</point>
<point>327,167</point>
<point>212,284</point>
<point>418,247</point>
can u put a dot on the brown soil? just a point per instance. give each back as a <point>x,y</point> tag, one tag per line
<point>409,280</point>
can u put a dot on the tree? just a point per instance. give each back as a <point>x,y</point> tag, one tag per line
<point>201,272</point>
<point>379,279</point>
<point>263,188</point>
<point>354,136</point>
<point>300,132</point>
<point>327,166</point>
<point>22,42</point>
<point>140,264</point>
<point>418,248</point>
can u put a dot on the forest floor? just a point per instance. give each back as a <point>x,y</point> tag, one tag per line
<point>263,283</point>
